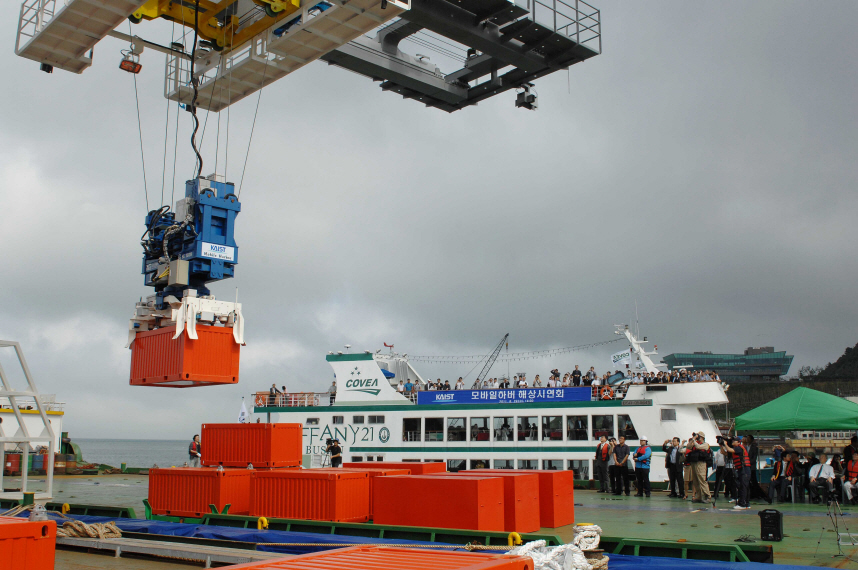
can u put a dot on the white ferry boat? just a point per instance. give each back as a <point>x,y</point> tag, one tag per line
<point>534,428</point>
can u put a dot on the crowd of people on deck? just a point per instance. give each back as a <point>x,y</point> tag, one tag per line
<point>576,378</point>
<point>795,477</point>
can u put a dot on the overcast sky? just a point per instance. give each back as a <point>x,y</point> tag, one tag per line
<point>703,166</point>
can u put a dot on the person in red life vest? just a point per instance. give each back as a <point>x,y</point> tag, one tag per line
<point>850,478</point>
<point>782,477</point>
<point>742,467</point>
<point>600,464</point>
<point>195,452</point>
<point>643,454</point>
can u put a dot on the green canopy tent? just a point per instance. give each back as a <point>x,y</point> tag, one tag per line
<point>802,409</point>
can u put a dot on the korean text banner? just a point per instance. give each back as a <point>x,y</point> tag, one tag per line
<point>517,396</point>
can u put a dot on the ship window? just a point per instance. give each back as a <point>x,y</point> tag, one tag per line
<point>434,429</point>
<point>528,464</point>
<point>528,429</point>
<point>376,419</point>
<point>576,428</point>
<point>369,457</point>
<point>357,458</point>
<point>625,427</point>
<point>581,468</point>
<point>379,458</point>
<point>455,465</point>
<point>503,429</point>
<point>312,421</point>
<point>480,429</point>
<point>456,429</point>
<point>552,428</point>
<point>552,464</point>
<point>668,415</point>
<point>357,420</point>
<point>603,426</point>
<point>480,463</point>
<point>705,414</point>
<point>411,429</point>
<point>504,464</point>
<point>433,461</point>
<point>338,420</point>
<point>409,460</point>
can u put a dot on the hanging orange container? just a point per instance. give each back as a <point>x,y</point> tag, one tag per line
<point>26,544</point>
<point>188,492</point>
<point>520,495</point>
<point>312,494</point>
<point>159,360</point>
<point>260,445</point>
<point>556,495</point>
<point>373,473</point>
<point>416,467</point>
<point>392,558</point>
<point>473,502</point>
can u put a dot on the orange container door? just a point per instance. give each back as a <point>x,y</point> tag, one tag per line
<point>373,473</point>
<point>310,494</point>
<point>25,544</point>
<point>475,503</point>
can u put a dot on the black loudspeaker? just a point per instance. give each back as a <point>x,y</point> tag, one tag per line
<point>771,525</point>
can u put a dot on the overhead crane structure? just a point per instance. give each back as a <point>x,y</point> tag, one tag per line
<point>245,45</point>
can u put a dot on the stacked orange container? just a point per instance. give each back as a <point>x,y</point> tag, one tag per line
<point>25,544</point>
<point>315,494</point>
<point>468,502</point>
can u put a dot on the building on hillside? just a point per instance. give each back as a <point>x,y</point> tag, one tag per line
<point>756,364</point>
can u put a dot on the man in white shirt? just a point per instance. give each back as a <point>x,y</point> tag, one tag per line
<point>495,384</point>
<point>522,383</point>
<point>821,477</point>
<point>551,382</point>
<point>401,387</point>
<point>460,384</point>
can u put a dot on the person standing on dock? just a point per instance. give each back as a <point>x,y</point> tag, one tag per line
<point>673,463</point>
<point>621,467</point>
<point>600,464</point>
<point>643,455</point>
<point>195,452</point>
<point>699,456</point>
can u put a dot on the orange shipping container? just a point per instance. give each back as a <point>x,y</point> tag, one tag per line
<point>25,544</point>
<point>556,496</point>
<point>159,360</point>
<point>188,492</point>
<point>373,473</point>
<point>520,496</point>
<point>475,503</point>
<point>262,445</point>
<point>391,558</point>
<point>311,494</point>
<point>415,467</point>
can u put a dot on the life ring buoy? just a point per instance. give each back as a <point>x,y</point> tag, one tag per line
<point>607,393</point>
<point>261,400</point>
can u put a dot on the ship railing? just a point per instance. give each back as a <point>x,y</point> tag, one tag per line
<point>26,403</point>
<point>575,19</point>
<point>291,399</point>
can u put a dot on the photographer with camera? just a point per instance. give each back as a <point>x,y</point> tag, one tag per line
<point>742,465</point>
<point>333,447</point>
<point>700,457</point>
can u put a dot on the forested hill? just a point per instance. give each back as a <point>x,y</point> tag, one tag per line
<point>845,367</point>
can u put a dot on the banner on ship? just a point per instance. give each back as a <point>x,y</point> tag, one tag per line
<point>621,359</point>
<point>517,396</point>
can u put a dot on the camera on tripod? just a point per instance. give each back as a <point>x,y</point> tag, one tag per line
<point>329,441</point>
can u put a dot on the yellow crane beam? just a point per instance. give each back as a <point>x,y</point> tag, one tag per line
<point>224,35</point>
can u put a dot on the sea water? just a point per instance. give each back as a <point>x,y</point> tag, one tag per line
<point>134,452</point>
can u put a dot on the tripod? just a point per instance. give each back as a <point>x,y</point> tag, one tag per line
<point>835,513</point>
<point>326,458</point>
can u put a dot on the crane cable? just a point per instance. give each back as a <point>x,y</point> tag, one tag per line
<point>252,128</point>
<point>194,84</point>
<point>140,134</point>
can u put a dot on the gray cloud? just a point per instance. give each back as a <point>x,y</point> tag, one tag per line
<point>703,166</point>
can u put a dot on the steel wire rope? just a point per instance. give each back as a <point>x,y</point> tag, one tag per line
<point>441,40</point>
<point>140,132</point>
<point>196,92</point>
<point>228,106</point>
<point>166,138</point>
<point>252,128</point>
<point>178,106</point>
